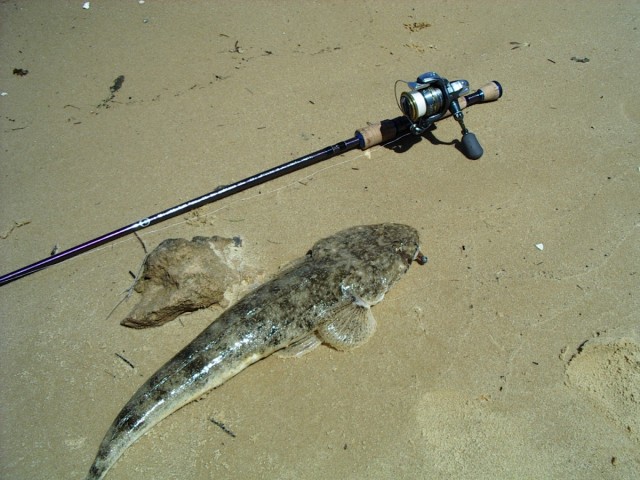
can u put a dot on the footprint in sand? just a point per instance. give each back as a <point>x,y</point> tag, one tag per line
<point>607,369</point>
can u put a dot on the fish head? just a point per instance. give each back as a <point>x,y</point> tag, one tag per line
<point>373,257</point>
<point>366,242</point>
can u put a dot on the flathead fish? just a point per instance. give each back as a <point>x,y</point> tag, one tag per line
<point>326,297</point>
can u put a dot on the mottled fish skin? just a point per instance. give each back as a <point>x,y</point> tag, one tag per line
<point>311,302</point>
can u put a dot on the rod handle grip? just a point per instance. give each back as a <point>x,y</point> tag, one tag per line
<point>487,93</point>
<point>381,132</point>
<point>490,92</point>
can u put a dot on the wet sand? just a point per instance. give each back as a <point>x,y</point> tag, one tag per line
<point>495,360</point>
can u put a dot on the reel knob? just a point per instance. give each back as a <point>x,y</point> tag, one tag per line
<point>471,146</point>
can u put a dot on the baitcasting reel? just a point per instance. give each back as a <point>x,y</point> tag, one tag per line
<point>431,98</point>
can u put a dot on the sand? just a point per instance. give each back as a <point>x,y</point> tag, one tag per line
<point>494,360</point>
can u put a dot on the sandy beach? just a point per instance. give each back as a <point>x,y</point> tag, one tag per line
<point>513,353</point>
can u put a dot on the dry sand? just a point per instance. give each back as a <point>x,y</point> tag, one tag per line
<point>495,360</point>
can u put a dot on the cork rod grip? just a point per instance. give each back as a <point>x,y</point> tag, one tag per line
<point>487,93</point>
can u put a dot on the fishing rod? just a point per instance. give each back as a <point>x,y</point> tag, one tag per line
<point>429,99</point>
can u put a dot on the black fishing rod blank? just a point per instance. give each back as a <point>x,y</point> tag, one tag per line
<point>430,99</point>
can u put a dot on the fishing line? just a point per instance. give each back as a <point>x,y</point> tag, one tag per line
<point>262,195</point>
<point>127,293</point>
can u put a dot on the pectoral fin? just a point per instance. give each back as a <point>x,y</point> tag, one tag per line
<point>300,347</point>
<point>349,327</point>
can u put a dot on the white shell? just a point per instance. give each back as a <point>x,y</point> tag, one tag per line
<point>540,246</point>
